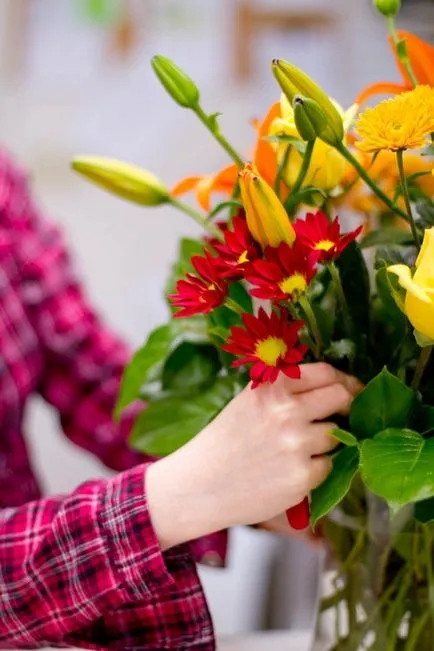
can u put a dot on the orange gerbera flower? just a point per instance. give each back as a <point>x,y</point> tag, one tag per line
<point>421,56</point>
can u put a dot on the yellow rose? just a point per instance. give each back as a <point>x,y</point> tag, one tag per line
<point>327,168</point>
<point>419,300</point>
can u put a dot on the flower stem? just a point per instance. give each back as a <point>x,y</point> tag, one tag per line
<point>345,152</point>
<point>304,168</point>
<point>402,55</point>
<point>281,169</point>
<point>336,277</point>
<point>212,126</point>
<point>422,363</point>
<point>234,306</point>
<point>313,326</point>
<point>404,188</point>
<point>211,228</point>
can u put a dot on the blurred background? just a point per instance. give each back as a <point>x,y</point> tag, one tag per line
<point>75,78</point>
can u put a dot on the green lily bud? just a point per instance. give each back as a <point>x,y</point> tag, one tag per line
<point>388,8</point>
<point>309,118</point>
<point>122,179</point>
<point>180,86</point>
<point>294,82</point>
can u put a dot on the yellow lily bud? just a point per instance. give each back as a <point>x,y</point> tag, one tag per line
<point>179,85</point>
<point>419,299</point>
<point>127,181</point>
<point>294,82</point>
<point>266,217</point>
<point>309,118</point>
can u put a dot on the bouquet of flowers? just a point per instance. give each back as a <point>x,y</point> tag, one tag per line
<point>277,280</point>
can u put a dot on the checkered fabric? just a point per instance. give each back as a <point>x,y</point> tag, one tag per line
<point>85,569</point>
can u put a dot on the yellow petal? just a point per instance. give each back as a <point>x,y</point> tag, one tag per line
<point>405,280</point>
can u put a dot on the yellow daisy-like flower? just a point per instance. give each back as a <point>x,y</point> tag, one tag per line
<point>402,122</point>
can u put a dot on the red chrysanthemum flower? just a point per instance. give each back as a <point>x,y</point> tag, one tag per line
<point>212,240</point>
<point>238,250</point>
<point>318,234</point>
<point>285,272</point>
<point>200,295</point>
<point>270,343</point>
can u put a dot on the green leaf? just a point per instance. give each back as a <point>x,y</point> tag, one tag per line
<point>225,318</point>
<point>310,195</point>
<point>422,419</point>
<point>345,437</point>
<point>388,255</point>
<point>388,235</point>
<point>169,423</point>
<point>298,144</point>
<point>384,402</point>
<point>391,296</point>
<point>336,486</point>
<point>147,363</point>
<point>425,213</point>
<point>397,464</point>
<point>222,206</point>
<point>190,366</point>
<point>356,286</point>
<point>424,511</point>
<point>213,122</point>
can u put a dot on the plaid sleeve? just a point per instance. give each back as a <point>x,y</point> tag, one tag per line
<point>84,360</point>
<point>86,570</point>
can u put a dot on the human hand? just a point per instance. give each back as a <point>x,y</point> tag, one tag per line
<point>260,456</point>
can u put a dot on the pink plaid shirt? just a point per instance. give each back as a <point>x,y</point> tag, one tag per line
<point>85,569</point>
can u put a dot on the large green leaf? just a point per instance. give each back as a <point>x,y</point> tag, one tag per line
<point>148,361</point>
<point>384,402</point>
<point>387,235</point>
<point>190,366</point>
<point>337,484</point>
<point>356,286</point>
<point>398,465</point>
<point>169,423</point>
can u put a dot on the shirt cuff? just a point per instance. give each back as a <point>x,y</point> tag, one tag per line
<point>134,551</point>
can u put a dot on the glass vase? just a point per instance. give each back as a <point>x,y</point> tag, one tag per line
<point>377,585</point>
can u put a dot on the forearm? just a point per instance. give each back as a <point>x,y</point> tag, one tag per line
<point>66,562</point>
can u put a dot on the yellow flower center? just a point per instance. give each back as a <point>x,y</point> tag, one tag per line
<point>243,258</point>
<point>293,284</point>
<point>270,350</point>
<point>324,245</point>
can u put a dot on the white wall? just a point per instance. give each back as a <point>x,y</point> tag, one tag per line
<point>71,101</point>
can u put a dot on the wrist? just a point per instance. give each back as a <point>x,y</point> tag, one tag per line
<point>181,506</point>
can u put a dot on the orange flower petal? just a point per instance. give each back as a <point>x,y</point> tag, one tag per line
<point>185,185</point>
<point>264,155</point>
<point>224,181</point>
<point>421,55</point>
<point>380,88</point>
